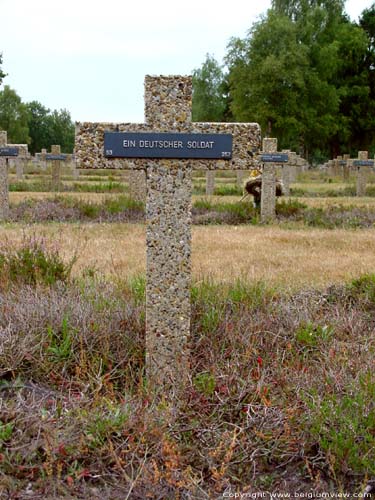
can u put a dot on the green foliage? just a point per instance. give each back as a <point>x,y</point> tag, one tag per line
<point>14,116</point>
<point>33,263</point>
<point>205,383</point>
<point>105,423</point>
<point>289,207</point>
<point>252,295</point>
<point>90,210</point>
<point>2,74</point>
<point>311,335</point>
<point>225,190</point>
<point>62,130</point>
<point>364,287</point>
<point>138,289</point>
<point>305,73</point>
<point>209,101</point>
<point>39,127</point>
<point>102,187</point>
<point>6,431</point>
<point>47,128</point>
<point>343,426</point>
<point>60,342</point>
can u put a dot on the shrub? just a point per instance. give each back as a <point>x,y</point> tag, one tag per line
<point>289,207</point>
<point>363,287</point>
<point>33,263</point>
<point>343,425</point>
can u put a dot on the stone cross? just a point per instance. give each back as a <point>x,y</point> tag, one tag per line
<point>331,168</point>
<point>73,167</point>
<point>240,177</point>
<point>286,172</point>
<point>168,213</point>
<point>363,166</point>
<point>344,164</point>
<point>270,158</point>
<point>6,152</point>
<point>55,157</point>
<point>21,159</point>
<point>43,159</point>
<point>346,169</point>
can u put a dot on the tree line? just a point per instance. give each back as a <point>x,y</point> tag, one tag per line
<point>32,123</point>
<point>305,72</point>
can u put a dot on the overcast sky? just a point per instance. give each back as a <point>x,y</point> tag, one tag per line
<point>91,57</point>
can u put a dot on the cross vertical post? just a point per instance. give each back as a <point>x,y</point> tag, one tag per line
<point>268,200</point>
<point>285,173</point>
<point>21,159</point>
<point>345,167</point>
<point>4,190</point>
<point>363,166</point>
<point>20,168</point>
<point>43,159</point>
<point>73,168</point>
<point>6,152</point>
<point>168,241</point>
<point>240,176</point>
<point>56,168</point>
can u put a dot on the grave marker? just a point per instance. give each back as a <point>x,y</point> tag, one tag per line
<point>286,173</point>
<point>168,212</point>
<point>363,166</point>
<point>240,177</point>
<point>21,160</point>
<point>270,158</point>
<point>345,167</point>
<point>6,152</point>
<point>55,157</point>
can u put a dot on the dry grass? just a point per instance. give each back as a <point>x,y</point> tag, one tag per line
<point>291,259</point>
<point>18,197</point>
<point>338,201</point>
<point>114,249</point>
<point>280,257</point>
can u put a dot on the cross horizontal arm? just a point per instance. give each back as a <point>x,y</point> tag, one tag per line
<point>89,145</point>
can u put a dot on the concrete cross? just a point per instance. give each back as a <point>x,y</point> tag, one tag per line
<point>363,166</point>
<point>344,163</point>
<point>270,157</point>
<point>286,171</point>
<point>240,177</point>
<point>168,213</point>
<point>6,152</point>
<point>21,160</point>
<point>55,157</point>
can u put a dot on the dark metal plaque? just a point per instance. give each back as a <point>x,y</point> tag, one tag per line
<point>5,151</point>
<point>274,157</point>
<point>167,145</point>
<point>52,157</point>
<point>363,163</point>
<point>342,163</point>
